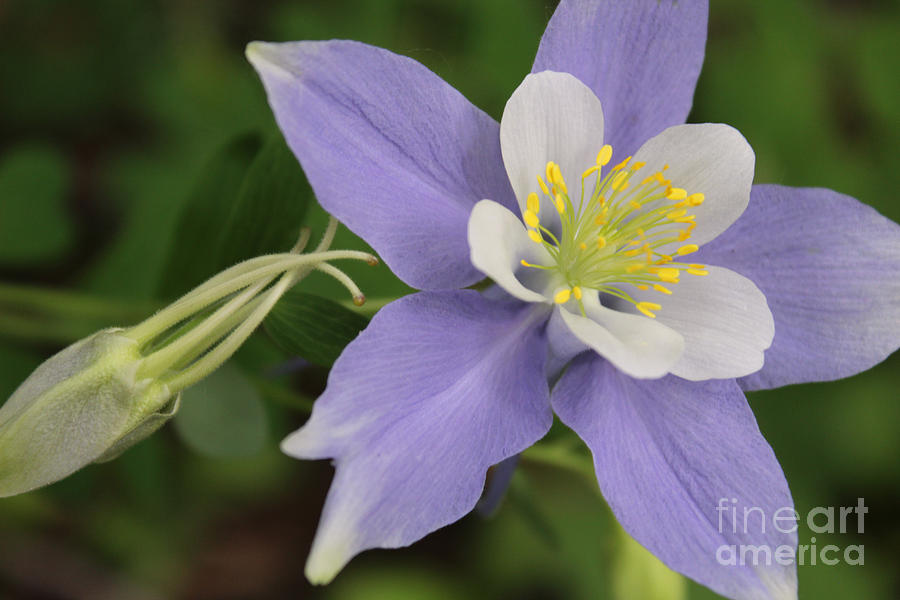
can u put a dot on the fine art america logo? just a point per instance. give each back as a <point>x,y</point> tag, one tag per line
<point>751,521</point>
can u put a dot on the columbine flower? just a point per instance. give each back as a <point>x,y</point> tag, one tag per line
<point>611,233</point>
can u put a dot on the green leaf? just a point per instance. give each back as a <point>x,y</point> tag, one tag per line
<point>34,226</point>
<point>270,207</point>
<point>223,416</point>
<point>313,327</point>
<point>193,255</point>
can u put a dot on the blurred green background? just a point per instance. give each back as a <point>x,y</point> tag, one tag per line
<point>111,115</point>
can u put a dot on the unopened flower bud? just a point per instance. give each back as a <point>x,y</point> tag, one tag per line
<point>84,404</point>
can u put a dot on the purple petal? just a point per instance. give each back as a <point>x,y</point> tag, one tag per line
<point>668,453</point>
<point>438,388</point>
<point>829,267</point>
<point>390,149</point>
<point>641,58</point>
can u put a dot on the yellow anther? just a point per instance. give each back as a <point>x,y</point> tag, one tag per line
<point>641,233</point>
<point>676,193</point>
<point>558,179</point>
<point>619,179</point>
<point>631,253</point>
<point>576,291</point>
<point>668,275</point>
<point>646,307</point>
<point>525,263</point>
<point>562,296</point>
<point>531,219</point>
<point>548,171</point>
<point>634,204</point>
<point>683,235</point>
<point>665,167</point>
<point>697,272</point>
<point>533,203</point>
<point>604,155</point>
<point>640,286</point>
<point>662,289</point>
<point>676,214</point>
<point>696,199</point>
<point>601,219</point>
<point>687,219</point>
<point>663,259</point>
<point>624,186</point>
<point>601,242</point>
<point>690,248</point>
<point>693,266</point>
<point>560,203</point>
<point>634,243</point>
<point>635,267</point>
<point>583,246</point>
<point>621,164</point>
<point>587,173</point>
<point>636,166</point>
<point>543,185</point>
<point>602,200</point>
<point>535,236</point>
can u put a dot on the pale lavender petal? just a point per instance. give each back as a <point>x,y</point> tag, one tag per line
<point>390,149</point>
<point>829,267</point>
<point>668,453</point>
<point>438,388</point>
<point>641,58</point>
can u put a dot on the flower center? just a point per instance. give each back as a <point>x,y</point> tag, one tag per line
<point>613,239</point>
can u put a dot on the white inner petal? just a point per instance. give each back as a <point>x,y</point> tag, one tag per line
<point>498,242</point>
<point>550,117</point>
<point>725,321</point>
<point>639,346</point>
<point>712,159</point>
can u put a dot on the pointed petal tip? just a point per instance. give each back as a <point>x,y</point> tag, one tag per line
<point>323,567</point>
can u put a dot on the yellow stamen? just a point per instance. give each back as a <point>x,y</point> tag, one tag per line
<point>640,286</point>
<point>690,248</point>
<point>562,296</point>
<point>636,166</point>
<point>548,171</point>
<point>683,235</point>
<point>631,253</point>
<point>696,199</point>
<point>665,258</point>
<point>543,185</point>
<point>531,219</point>
<point>601,242</point>
<point>668,275</point>
<point>693,266</point>
<point>587,173</point>
<point>676,194</point>
<point>604,155</point>
<point>676,214</point>
<point>583,246</point>
<point>634,204</point>
<point>535,236</point>
<point>646,307</point>
<point>533,203</point>
<point>621,164</point>
<point>619,179</point>
<point>697,272</point>
<point>576,291</point>
<point>662,289</point>
<point>560,203</point>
